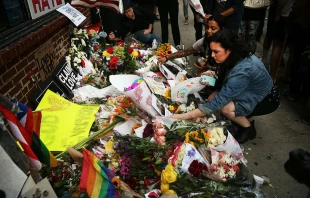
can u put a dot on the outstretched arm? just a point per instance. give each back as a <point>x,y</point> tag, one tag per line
<point>178,54</point>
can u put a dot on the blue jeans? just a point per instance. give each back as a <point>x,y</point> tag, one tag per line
<point>185,8</point>
<point>146,38</point>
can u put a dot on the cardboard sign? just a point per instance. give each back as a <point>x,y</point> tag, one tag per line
<point>66,76</point>
<point>40,7</point>
<point>45,59</point>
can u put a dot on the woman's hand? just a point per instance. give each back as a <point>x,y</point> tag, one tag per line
<point>162,59</point>
<point>207,73</point>
<point>146,31</point>
<point>177,116</point>
<point>192,115</point>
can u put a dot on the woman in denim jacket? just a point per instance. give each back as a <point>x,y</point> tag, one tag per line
<point>246,87</point>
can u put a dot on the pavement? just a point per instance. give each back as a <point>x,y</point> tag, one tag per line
<point>277,133</point>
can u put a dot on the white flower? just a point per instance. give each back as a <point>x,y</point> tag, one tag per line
<point>83,42</point>
<point>231,173</point>
<point>221,172</point>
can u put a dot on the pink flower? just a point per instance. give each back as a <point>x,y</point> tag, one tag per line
<point>159,124</point>
<point>161,131</point>
<point>160,140</point>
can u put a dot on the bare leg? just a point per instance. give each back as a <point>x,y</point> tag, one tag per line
<point>287,73</point>
<point>229,112</point>
<point>275,57</point>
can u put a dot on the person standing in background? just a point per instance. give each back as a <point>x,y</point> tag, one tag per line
<point>250,25</point>
<point>232,10</point>
<point>170,7</point>
<point>284,8</point>
<point>185,11</point>
<point>199,20</point>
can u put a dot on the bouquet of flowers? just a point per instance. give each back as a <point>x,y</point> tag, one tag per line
<point>226,166</point>
<point>120,60</point>
<point>164,49</point>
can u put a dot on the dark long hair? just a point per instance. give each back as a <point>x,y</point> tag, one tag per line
<point>229,40</point>
<point>220,20</point>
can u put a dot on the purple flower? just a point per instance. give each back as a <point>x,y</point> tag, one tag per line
<point>191,153</point>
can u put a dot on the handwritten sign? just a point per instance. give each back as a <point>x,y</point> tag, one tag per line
<point>40,7</point>
<point>66,75</point>
<point>64,123</point>
<point>45,59</point>
<point>73,14</point>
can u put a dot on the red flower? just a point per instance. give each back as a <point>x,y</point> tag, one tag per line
<point>236,168</point>
<point>110,50</point>
<point>130,50</point>
<point>120,44</point>
<point>96,47</point>
<point>153,195</point>
<point>113,62</point>
<point>147,182</point>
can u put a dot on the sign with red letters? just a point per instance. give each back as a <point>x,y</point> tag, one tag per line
<point>40,7</point>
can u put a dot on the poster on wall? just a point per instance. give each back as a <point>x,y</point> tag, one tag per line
<point>45,59</point>
<point>40,7</point>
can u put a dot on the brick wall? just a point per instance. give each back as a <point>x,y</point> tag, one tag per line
<point>17,60</point>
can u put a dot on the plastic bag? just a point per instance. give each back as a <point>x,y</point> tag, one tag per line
<point>180,92</point>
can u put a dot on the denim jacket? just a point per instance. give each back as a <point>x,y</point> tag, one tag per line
<point>246,85</point>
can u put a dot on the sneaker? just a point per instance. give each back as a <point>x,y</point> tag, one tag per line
<point>186,22</point>
<point>179,47</point>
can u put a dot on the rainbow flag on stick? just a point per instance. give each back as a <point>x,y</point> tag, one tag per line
<point>96,178</point>
<point>25,126</point>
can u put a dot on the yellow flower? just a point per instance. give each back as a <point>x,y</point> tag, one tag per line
<point>164,187</point>
<point>105,53</point>
<point>109,148</point>
<point>134,53</point>
<point>168,93</point>
<point>168,175</point>
<point>187,137</point>
<point>111,101</point>
<point>116,182</point>
<point>194,133</point>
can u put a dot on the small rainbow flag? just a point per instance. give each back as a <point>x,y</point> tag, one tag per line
<point>96,178</point>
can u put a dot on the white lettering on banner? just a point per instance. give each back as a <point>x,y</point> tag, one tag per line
<point>40,7</point>
<point>67,77</point>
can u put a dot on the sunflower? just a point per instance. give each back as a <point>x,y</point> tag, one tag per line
<point>116,182</point>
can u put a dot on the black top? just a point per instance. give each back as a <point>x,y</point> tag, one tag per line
<point>141,21</point>
<point>254,14</point>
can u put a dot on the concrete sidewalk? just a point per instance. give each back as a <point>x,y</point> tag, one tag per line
<point>278,133</point>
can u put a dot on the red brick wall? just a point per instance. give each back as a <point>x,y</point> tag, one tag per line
<point>17,60</point>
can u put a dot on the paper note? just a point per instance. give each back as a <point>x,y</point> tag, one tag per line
<point>64,123</point>
<point>73,14</point>
<point>12,178</point>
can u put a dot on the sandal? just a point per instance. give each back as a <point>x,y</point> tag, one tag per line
<point>186,22</point>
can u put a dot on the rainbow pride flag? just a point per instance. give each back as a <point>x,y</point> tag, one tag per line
<point>96,178</point>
